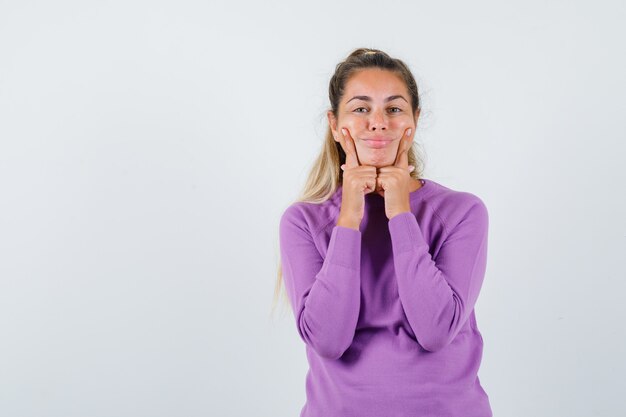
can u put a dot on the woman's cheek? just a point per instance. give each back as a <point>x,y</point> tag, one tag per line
<point>403,125</point>
<point>354,126</point>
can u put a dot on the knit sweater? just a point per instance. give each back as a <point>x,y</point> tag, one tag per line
<point>387,311</point>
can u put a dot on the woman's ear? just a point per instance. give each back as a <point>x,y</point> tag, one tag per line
<point>417,115</point>
<point>332,122</point>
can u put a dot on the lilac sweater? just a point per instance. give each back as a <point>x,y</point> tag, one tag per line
<point>387,312</point>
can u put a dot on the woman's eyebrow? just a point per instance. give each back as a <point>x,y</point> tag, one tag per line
<point>368,98</point>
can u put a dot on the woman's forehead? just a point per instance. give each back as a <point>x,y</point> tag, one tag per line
<point>375,83</point>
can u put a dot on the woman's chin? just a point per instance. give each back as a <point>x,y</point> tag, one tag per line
<point>377,162</point>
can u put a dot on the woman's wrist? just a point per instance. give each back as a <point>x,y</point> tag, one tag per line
<point>348,222</point>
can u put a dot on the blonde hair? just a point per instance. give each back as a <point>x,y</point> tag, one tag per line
<point>325,175</point>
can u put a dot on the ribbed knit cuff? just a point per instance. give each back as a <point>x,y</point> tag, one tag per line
<point>405,232</point>
<point>344,247</point>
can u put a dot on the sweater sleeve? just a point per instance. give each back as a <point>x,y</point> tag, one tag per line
<point>324,292</point>
<point>438,295</point>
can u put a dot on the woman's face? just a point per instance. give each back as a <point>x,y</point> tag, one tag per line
<point>375,105</point>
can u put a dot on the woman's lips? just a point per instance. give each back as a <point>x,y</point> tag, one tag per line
<point>377,144</point>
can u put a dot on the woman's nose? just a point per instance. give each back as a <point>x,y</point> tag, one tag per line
<point>378,121</point>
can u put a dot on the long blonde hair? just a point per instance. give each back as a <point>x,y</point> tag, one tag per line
<point>325,175</point>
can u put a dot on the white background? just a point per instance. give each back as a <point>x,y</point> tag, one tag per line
<point>148,149</point>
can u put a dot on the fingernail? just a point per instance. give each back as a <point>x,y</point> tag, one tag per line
<point>342,167</point>
<point>343,130</point>
<point>411,168</point>
<point>408,133</point>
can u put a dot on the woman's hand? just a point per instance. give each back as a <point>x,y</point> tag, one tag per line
<point>395,180</point>
<point>358,180</point>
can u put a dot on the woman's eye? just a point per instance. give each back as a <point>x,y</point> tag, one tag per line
<point>392,109</point>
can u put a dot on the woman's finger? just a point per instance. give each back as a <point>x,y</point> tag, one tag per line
<point>352,159</point>
<point>402,159</point>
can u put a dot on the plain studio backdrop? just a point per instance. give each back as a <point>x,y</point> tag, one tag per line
<point>148,149</point>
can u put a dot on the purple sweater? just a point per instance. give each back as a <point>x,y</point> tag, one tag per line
<point>387,312</point>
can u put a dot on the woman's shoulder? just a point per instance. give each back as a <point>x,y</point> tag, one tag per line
<point>446,195</point>
<point>314,215</point>
<point>452,205</point>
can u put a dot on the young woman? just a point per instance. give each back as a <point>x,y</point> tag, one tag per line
<point>383,268</point>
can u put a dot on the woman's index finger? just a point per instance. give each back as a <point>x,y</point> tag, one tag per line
<point>352,159</point>
<point>402,158</point>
